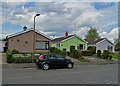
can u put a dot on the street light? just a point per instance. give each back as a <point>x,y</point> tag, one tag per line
<point>34,36</point>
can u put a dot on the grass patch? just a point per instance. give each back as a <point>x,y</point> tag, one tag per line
<point>115,56</point>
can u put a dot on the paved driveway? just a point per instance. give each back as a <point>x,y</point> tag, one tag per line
<point>80,74</point>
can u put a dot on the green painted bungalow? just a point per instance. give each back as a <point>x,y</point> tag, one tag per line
<point>64,43</point>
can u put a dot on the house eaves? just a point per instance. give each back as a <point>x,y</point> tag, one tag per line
<point>104,40</point>
<point>31,29</point>
<point>74,36</point>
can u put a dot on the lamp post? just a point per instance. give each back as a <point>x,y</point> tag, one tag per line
<point>34,36</point>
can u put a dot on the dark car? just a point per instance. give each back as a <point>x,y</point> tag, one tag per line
<point>47,61</point>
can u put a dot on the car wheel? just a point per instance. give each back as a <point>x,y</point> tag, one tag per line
<point>70,65</point>
<point>45,66</point>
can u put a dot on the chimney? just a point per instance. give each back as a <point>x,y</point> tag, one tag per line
<point>66,34</point>
<point>25,28</point>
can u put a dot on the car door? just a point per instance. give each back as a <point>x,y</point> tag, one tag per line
<point>52,61</point>
<point>61,62</point>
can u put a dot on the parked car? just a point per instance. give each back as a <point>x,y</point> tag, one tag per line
<point>47,61</point>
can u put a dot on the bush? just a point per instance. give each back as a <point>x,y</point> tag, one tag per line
<point>71,55</point>
<point>21,58</point>
<point>68,53</point>
<point>9,56</point>
<point>86,53</point>
<point>106,54</point>
<point>99,53</point>
<point>76,54</point>
<point>110,57</point>
<point>92,48</point>
<point>14,51</point>
<point>18,58</point>
<point>57,51</point>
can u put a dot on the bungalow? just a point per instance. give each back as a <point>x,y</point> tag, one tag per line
<point>66,42</point>
<point>102,44</point>
<point>24,41</point>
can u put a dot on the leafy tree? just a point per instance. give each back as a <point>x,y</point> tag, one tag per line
<point>117,44</point>
<point>92,34</point>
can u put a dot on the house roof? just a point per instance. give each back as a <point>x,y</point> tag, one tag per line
<point>61,39</point>
<point>31,29</point>
<point>96,41</point>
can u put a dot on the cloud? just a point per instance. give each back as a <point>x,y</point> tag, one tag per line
<point>57,18</point>
<point>113,34</point>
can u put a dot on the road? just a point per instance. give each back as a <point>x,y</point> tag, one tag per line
<point>80,74</point>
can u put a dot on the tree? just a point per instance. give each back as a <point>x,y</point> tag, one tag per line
<point>117,44</point>
<point>92,34</point>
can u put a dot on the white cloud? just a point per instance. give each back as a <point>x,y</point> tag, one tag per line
<point>57,18</point>
<point>110,35</point>
<point>81,31</point>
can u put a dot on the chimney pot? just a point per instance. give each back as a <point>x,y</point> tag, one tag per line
<point>25,28</point>
<point>66,34</point>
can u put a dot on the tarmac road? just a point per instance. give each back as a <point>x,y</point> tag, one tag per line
<point>80,74</point>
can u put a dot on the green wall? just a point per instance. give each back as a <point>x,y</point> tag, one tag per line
<point>66,44</point>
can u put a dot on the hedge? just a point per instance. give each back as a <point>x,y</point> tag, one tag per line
<point>86,53</point>
<point>92,48</point>
<point>12,57</point>
<point>57,51</point>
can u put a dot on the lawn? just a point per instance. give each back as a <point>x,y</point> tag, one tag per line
<point>116,56</point>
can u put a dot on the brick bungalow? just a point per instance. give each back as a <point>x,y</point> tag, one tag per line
<point>24,41</point>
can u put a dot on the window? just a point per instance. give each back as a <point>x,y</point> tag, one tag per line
<point>26,42</point>
<point>58,45</point>
<point>80,46</point>
<point>18,40</point>
<point>42,45</point>
<point>110,48</point>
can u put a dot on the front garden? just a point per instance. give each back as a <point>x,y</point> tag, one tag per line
<point>91,52</point>
<point>13,56</point>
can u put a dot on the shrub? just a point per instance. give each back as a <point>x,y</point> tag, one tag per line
<point>92,48</point>
<point>76,54</point>
<point>68,53</point>
<point>110,57</point>
<point>99,53</point>
<point>9,56</point>
<point>57,51</point>
<point>21,58</point>
<point>14,51</point>
<point>71,55</point>
<point>106,54</point>
<point>86,53</point>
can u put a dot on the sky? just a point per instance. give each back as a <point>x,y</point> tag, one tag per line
<point>58,17</point>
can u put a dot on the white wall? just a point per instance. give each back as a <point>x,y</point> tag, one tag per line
<point>103,46</point>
